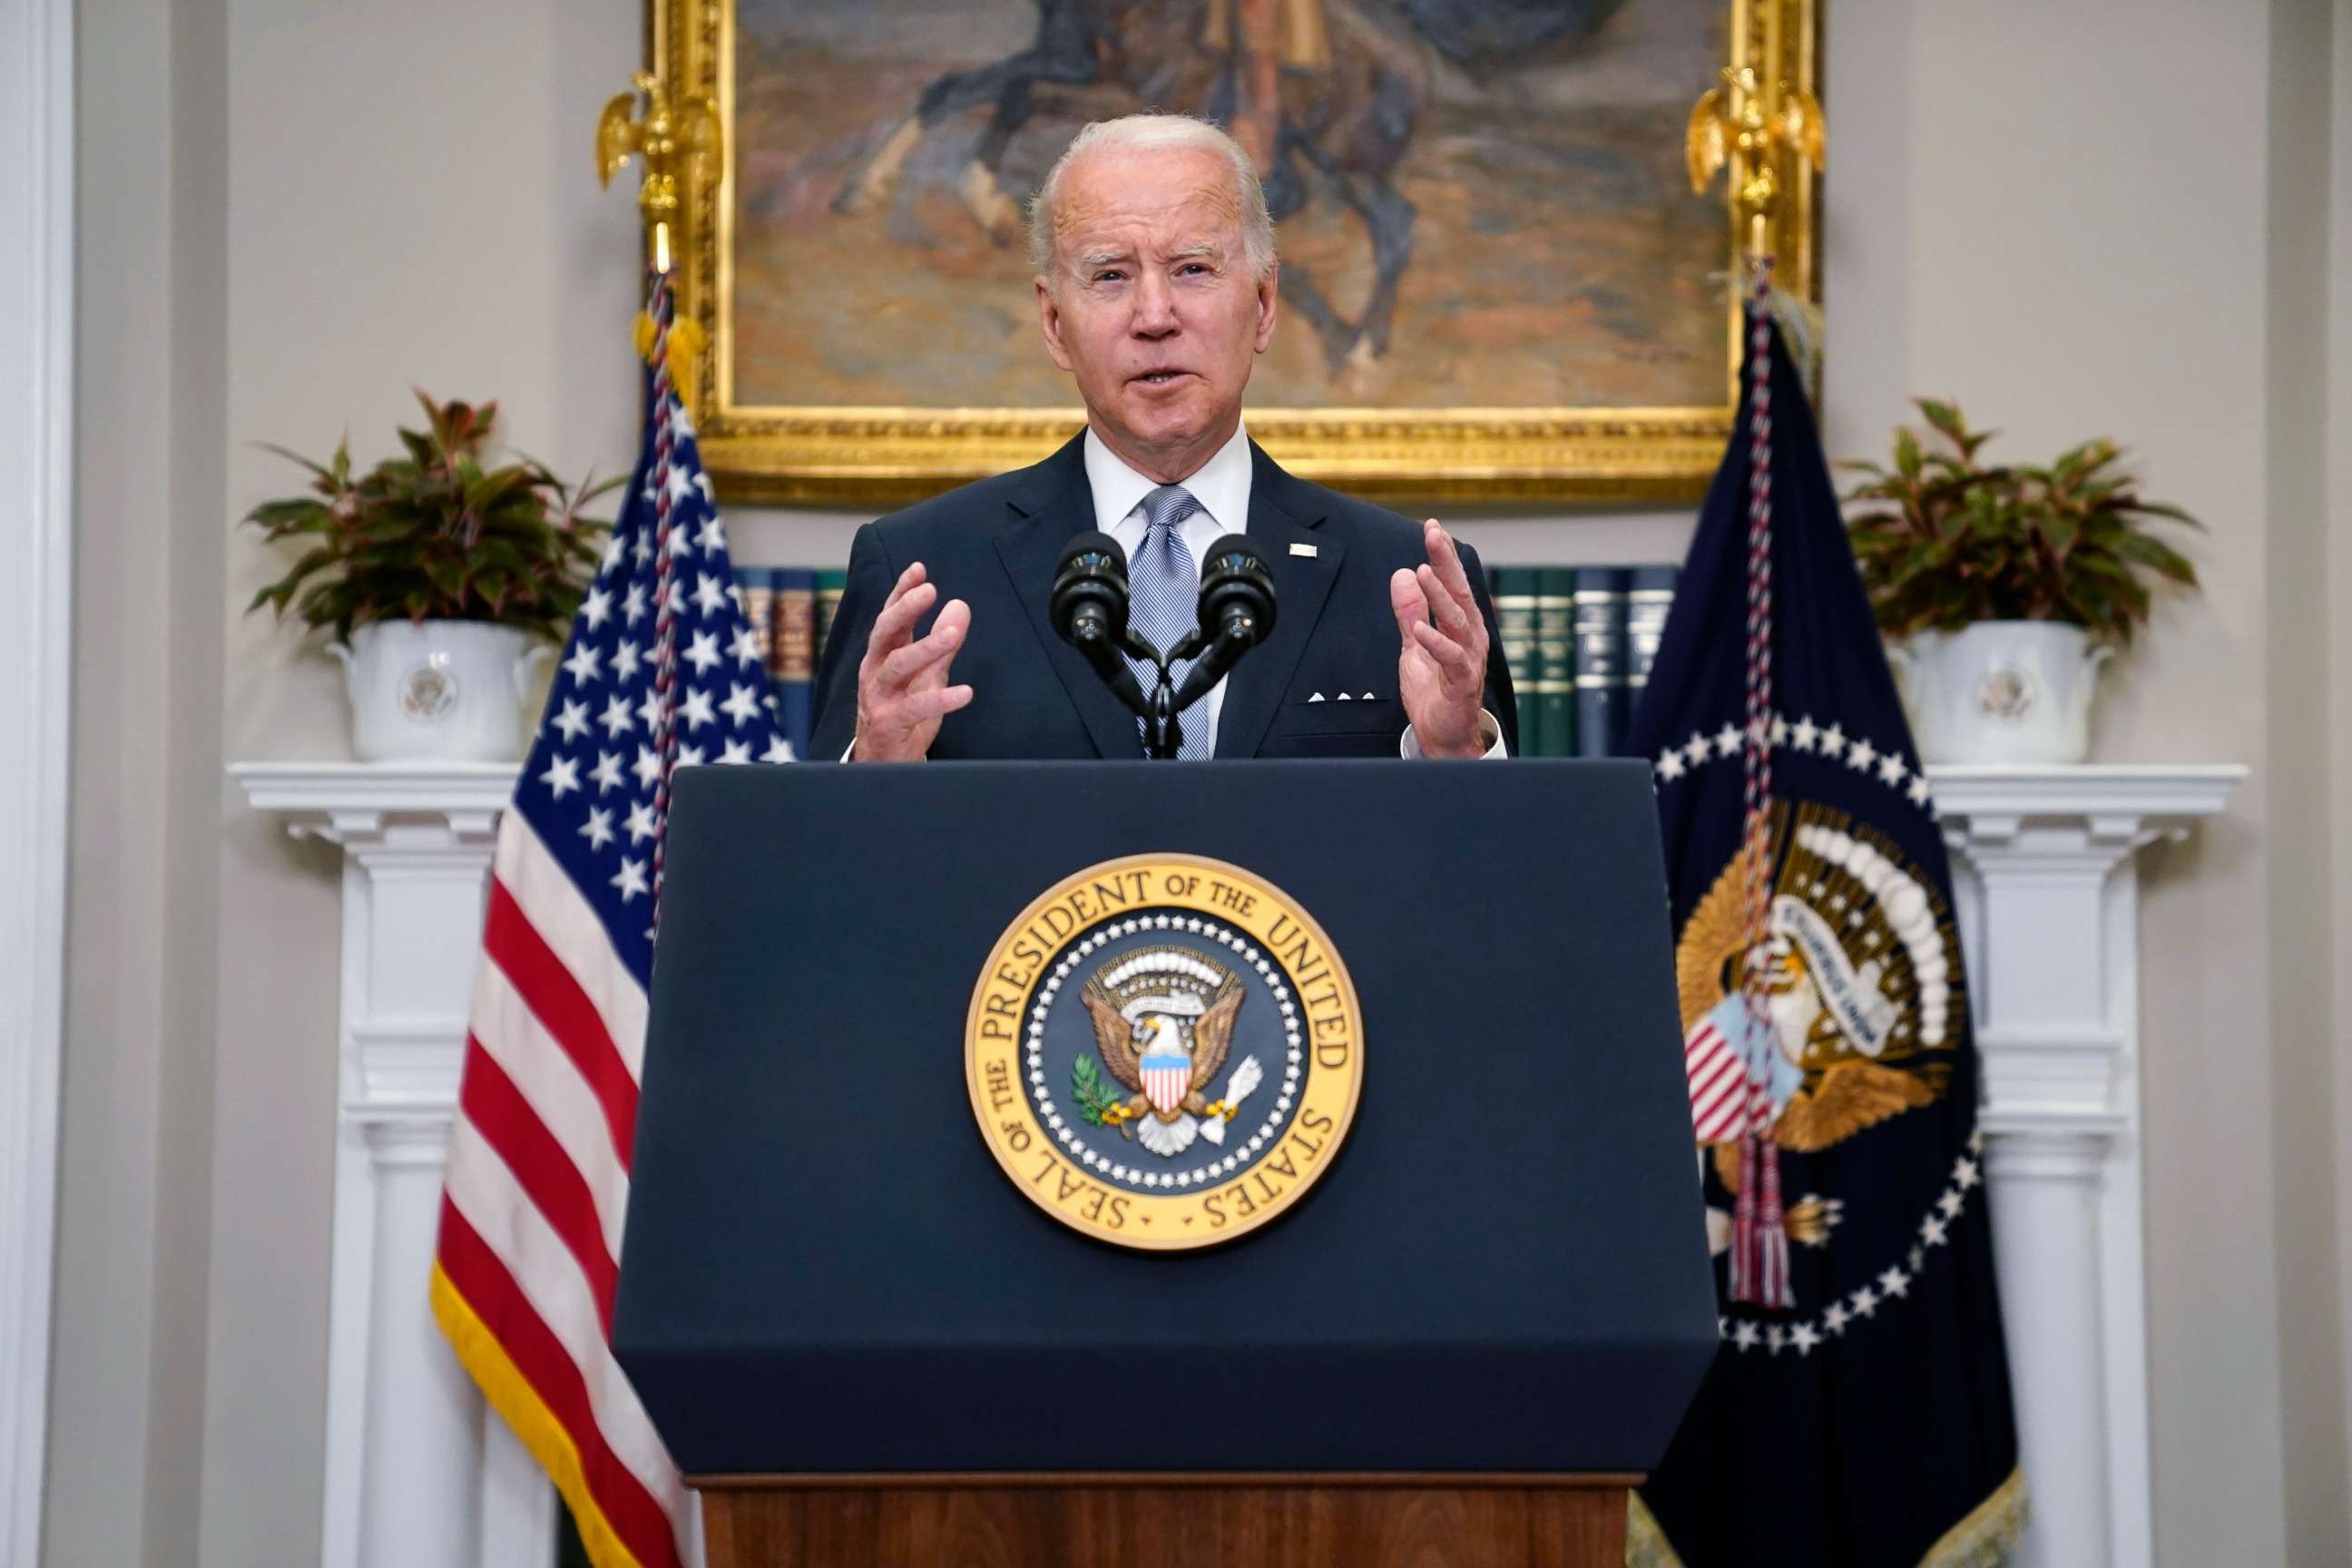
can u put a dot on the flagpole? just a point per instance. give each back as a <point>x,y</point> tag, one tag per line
<point>1754,123</point>
<point>676,142</point>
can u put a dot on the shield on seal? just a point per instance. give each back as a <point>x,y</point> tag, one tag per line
<point>1167,1078</point>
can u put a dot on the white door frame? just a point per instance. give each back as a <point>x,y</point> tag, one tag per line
<point>37,249</point>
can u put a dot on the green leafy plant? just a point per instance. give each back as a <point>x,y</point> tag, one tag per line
<point>434,533</point>
<point>1952,541</point>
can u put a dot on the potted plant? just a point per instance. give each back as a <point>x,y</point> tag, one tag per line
<point>442,580</point>
<point>2002,589</point>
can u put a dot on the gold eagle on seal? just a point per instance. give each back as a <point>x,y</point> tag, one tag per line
<point>1163,1024</point>
<point>1860,985</point>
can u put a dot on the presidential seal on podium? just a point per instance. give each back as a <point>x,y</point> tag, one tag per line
<point>1164,1051</point>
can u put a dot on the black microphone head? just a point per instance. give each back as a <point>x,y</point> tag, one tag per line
<point>1094,543</point>
<point>1090,583</point>
<point>1236,589</point>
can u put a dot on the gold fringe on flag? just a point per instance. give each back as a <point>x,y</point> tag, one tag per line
<point>511,1395</point>
<point>1983,1540</point>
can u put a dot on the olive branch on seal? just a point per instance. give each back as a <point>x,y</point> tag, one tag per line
<point>1095,1098</point>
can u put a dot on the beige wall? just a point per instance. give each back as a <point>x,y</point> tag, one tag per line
<point>127,1412</point>
<point>2093,217</point>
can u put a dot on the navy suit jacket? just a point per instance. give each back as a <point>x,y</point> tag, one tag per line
<point>995,545</point>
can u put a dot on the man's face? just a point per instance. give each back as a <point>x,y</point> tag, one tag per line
<point>1152,306</point>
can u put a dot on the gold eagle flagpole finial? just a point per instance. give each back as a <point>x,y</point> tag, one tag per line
<point>1758,125</point>
<point>671,139</point>
<point>674,142</point>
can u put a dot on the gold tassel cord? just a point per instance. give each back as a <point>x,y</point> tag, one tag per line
<point>685,346</point>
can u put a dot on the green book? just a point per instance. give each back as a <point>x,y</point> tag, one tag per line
<point>1554,683</point>
<point>1515,620</point>
<point>832,582</point>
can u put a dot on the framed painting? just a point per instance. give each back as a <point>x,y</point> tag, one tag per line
<point>1496,283</point>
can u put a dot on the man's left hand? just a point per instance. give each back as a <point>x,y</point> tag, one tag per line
<point>1441,666</point>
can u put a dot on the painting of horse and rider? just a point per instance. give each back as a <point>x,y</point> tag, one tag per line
<point>1480,203</point>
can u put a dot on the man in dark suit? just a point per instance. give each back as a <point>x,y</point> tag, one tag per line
<point>1156,289</point>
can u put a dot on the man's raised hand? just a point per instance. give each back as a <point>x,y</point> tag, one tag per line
<point>902,681</point>
<point>1440,668</point>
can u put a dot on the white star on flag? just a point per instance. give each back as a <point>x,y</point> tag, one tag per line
<point>562,777</point>
<point>630,878</point>
<point>742,705</point>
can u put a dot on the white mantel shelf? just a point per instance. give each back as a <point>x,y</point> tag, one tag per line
<point>2161,797</point>
<point>2047,902</point>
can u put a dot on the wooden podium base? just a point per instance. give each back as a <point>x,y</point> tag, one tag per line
<point>1151,1521</point>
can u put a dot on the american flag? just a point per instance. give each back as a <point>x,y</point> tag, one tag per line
<point>660,670</point>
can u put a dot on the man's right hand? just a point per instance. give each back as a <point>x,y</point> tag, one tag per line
<point>902,682</point>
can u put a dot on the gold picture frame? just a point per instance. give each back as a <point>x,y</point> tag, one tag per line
<point>883,453</point>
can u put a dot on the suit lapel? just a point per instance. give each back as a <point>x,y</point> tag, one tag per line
<point>1282,512</point>
<point>1052,504</point>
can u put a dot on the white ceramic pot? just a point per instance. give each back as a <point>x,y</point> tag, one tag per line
<point>2002,692</point>
<point>439,691</point>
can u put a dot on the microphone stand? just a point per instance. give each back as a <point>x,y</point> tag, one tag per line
<point>1163,731</point>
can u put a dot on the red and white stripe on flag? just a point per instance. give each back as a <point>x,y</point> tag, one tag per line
<point>538,1184</point>
<point>1718,1084</point>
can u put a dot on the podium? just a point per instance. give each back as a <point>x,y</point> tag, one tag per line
<point>871,1333</point>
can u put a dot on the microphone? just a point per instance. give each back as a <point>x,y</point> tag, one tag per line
<point>1089,608</point>
<point>1236,614</point>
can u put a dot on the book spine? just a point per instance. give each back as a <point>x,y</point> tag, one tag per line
<point>1648,601</point>
<point>1555,660</point>
<point>1600,693</point>
<point>793,662</point>
<point>1515,620</point>
<point>832,582</point>
<point>758,586</point>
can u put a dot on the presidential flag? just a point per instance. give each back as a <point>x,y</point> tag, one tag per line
<point>1858,1413</point>
<point>661,671</point>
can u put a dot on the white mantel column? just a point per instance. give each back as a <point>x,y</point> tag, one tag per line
<point>2048,908</point>
<point>417,1469</point>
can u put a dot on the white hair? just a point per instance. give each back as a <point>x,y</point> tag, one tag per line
<point>1151,133</point>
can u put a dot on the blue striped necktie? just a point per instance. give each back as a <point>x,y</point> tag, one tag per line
<point>1164,585</point>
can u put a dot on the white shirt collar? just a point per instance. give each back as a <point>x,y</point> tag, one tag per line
<point>1222,486</point>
